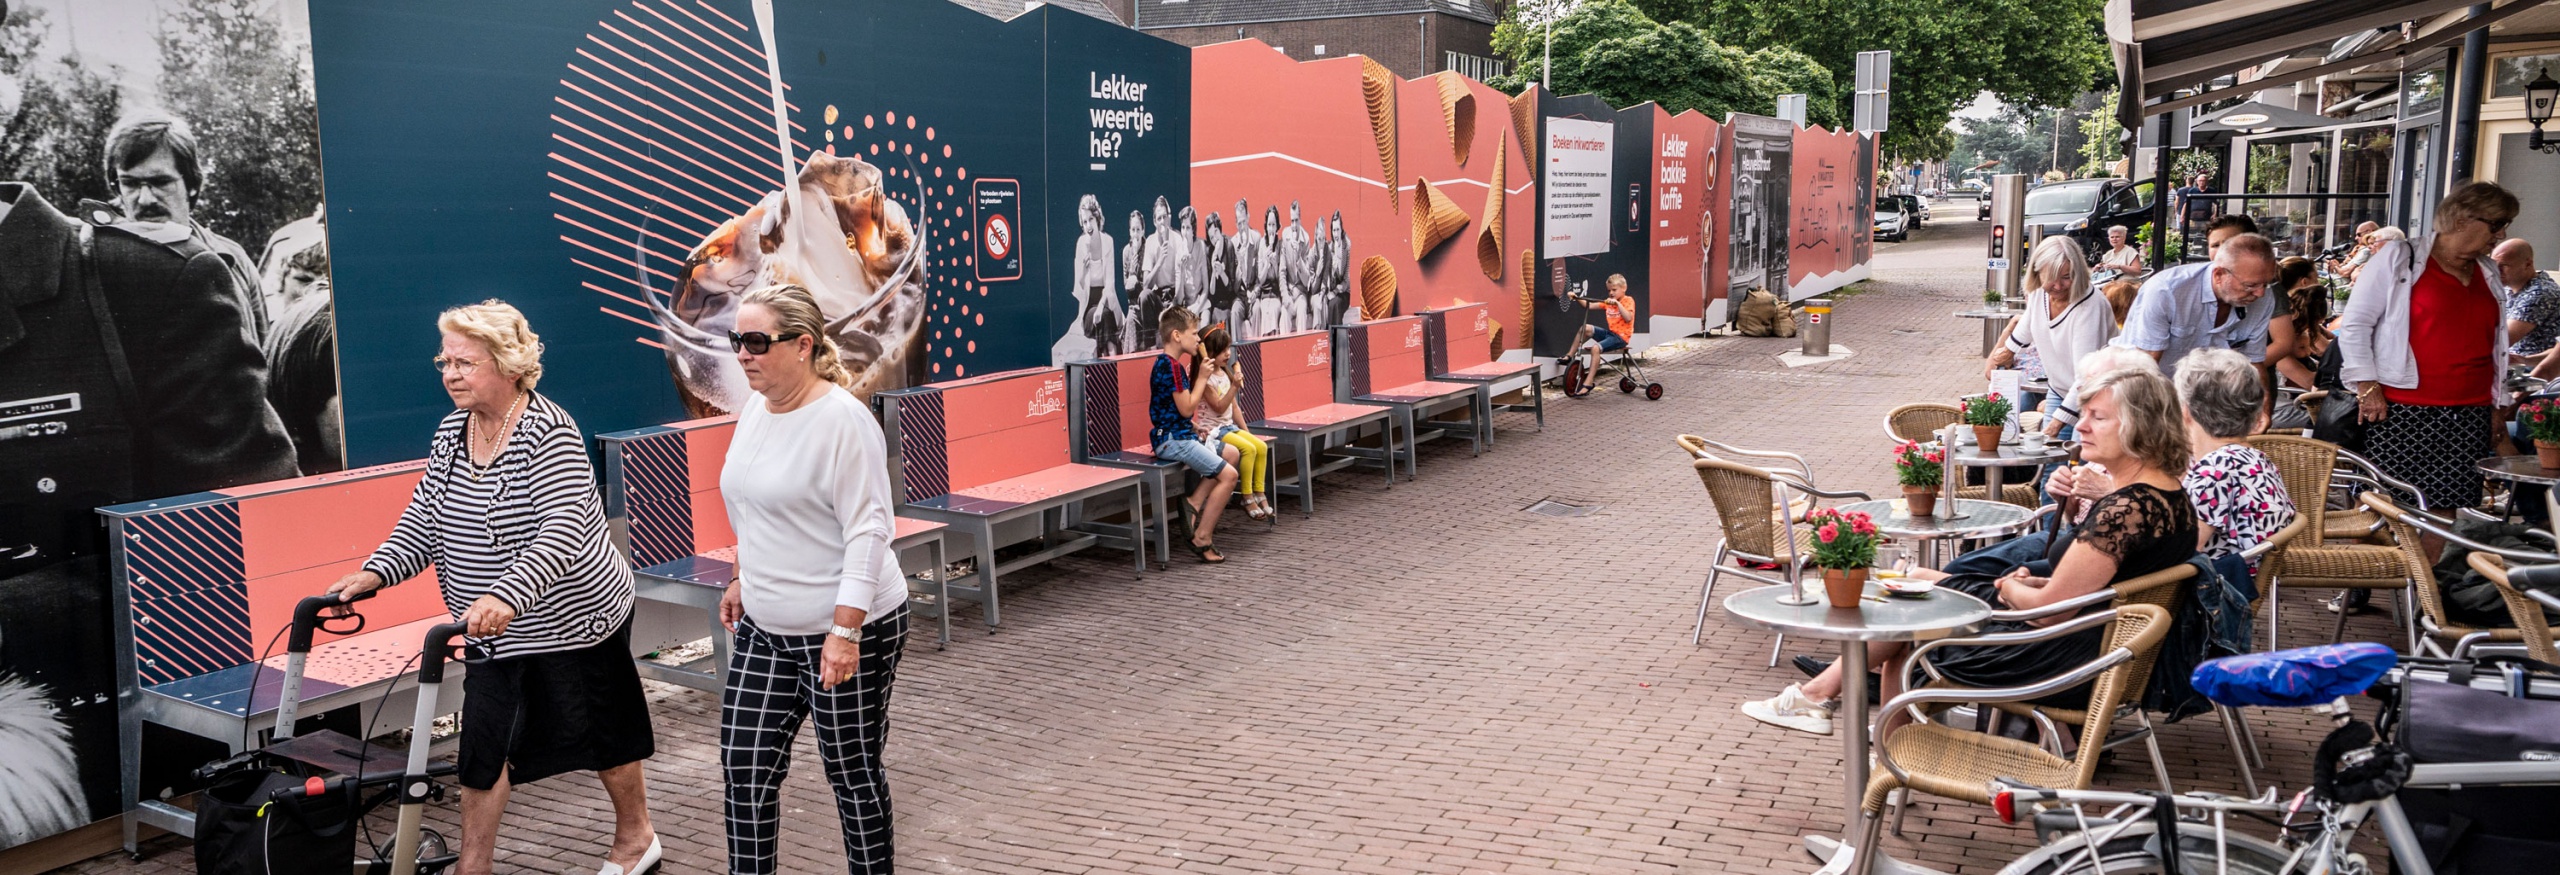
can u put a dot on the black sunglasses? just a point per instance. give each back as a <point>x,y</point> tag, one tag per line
<point>757,342</point>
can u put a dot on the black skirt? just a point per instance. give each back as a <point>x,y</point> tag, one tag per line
<point>2437,449</point>
<point>541,715</point>
<point>2015,665</point>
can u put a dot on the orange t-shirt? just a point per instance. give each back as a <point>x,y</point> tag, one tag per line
<point>1622,318</point>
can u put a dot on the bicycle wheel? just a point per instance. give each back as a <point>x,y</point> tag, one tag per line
<point>2136,851</point>
<point>1573,381</point>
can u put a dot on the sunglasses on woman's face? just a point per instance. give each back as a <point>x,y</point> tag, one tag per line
<point>757,342</point>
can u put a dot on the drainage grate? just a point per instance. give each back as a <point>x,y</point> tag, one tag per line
<point>1562,507</point>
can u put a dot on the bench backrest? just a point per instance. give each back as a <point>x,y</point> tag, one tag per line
<point>1383,354</point>
<point>1454,338</point>
<point>211,577</point>
<point>1285,373</point>
<point>1109,403</point>
<point>662,483</point>
<point>967,433</point>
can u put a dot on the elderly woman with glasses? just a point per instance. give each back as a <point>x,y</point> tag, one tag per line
<point>819,604</point>
<point>507,512</point>
<point>2420,347</point>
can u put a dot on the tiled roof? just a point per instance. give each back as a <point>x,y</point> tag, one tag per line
<point>1197,13</point>
<point>1005,10</point>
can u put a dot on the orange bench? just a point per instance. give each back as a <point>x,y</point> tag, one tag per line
<point>1107,422</point>
<point>1457,348</point>
<point>204,583</point>
<point>1382,363</point>
<point>1288,397</point>
<point>662,496</point>
<point>992,451</point>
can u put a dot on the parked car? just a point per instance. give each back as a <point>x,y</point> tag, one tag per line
<point>2085,208</point>
<point>1892,223</point>
<point>1917,207</point>
<point>1982,208</point>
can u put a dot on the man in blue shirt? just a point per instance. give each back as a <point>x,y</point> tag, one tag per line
<point>2221,304</point>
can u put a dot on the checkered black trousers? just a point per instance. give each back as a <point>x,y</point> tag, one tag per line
<point>773,684</point>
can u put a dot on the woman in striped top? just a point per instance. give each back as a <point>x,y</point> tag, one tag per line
<point>508,515</point>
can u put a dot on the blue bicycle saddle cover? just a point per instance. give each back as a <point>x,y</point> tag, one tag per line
<point>2297,678</point>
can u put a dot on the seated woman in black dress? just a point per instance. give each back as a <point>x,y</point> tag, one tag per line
<point>2131,426</point>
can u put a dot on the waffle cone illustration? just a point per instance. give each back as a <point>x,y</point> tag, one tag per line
<point>1489,234</point>
<point>1377,288</point>
<point>1435,219</point>
<point>1378,91</point>
<point>1494,338</point>
<point>1529,292</point>
<point>1458,112</point>
<point>1524,119</point>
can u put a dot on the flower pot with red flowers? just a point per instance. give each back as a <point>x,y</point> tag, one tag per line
<point>1989,416</point>
<point>1844,547</point>
<point>1922,471</point>
<point>2542,421</point>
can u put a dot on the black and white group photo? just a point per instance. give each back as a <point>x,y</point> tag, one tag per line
<point>1266,276</point>
<point>165,328</point>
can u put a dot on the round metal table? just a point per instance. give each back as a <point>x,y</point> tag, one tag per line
<point>1994,321</point>
<point>1943,613</point>
<point>2008,453</point>
<point>2525,470</point>
<point>1973,518</point>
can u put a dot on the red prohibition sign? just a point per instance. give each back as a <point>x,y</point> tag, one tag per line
<point>999,236</point>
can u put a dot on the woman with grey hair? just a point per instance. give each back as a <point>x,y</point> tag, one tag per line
<point>2065,320</point>
<point>2240,500</point>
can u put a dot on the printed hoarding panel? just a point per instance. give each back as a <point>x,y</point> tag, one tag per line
<point>1119,107</point>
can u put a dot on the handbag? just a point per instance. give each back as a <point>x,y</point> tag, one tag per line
<point>2483,830</point>
<point>239,832</point>
<point>2337,421</point>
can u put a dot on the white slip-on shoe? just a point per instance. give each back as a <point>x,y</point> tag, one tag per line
<point>1791,709</point>
<point>648,861</point>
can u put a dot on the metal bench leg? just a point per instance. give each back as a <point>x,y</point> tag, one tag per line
<point>1538,391</point>
<point>941,601</point>
<point>1138,529</point>
<point>987,570</point>
<point>1412,443</point>
<point>1305,444</point>
<point>1164,519</point>
<point>1484,416</point>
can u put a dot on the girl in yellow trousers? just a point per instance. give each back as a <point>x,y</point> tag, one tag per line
<point>1217,375</point>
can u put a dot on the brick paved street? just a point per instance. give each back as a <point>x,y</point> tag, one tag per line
<point>1422,679</point>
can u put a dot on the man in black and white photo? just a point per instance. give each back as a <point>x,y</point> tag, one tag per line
<point>1298,273</point>
<point>152,160</point>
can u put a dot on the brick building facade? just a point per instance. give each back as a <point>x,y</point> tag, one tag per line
<point>1411,37</point>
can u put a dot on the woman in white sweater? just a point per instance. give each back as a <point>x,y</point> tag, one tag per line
<point>819,605</point>
<point>2065,319</point>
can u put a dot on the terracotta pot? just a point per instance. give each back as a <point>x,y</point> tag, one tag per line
<point>1844,586</point>
<point>2550,453</point>
<point>1923,500</point>
<point>1988,437</point>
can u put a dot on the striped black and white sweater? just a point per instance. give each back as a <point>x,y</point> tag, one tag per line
<point>529,528</point>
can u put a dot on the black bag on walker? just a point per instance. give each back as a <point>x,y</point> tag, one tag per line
<point>2484,830</point>
<point>239,833</point>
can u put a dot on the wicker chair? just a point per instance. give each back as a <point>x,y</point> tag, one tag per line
<point>1960,764</point>
<point>2437,631</point>
<point>1748,502</point>
<point>1801,475</point>
<point>2531,624</point>
<point>1919,422</point>
<point>2307,468</point>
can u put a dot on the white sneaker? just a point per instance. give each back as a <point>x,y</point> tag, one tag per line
<point>1793,710</point>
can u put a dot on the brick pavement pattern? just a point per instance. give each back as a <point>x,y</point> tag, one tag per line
<point>1418,679</point>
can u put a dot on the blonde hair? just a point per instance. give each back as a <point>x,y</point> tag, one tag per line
<point>795,312</point>
<point>2485,201</point>
<point>2150,426</point>
<point>513,347</point>
<point>2060,255</point>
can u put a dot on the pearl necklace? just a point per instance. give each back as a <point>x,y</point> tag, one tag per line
<point>497,432</point>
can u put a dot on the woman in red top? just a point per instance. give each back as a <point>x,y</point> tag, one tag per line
<point>2420,341</point>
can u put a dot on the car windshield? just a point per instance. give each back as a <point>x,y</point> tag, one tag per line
<point>2061,199</point>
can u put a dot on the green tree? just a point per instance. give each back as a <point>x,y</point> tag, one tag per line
<point>2102,142</point>
<point>1613,49</point>
<point>226,69</point>
<point>2042,52</point>
<point>55,140</point>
